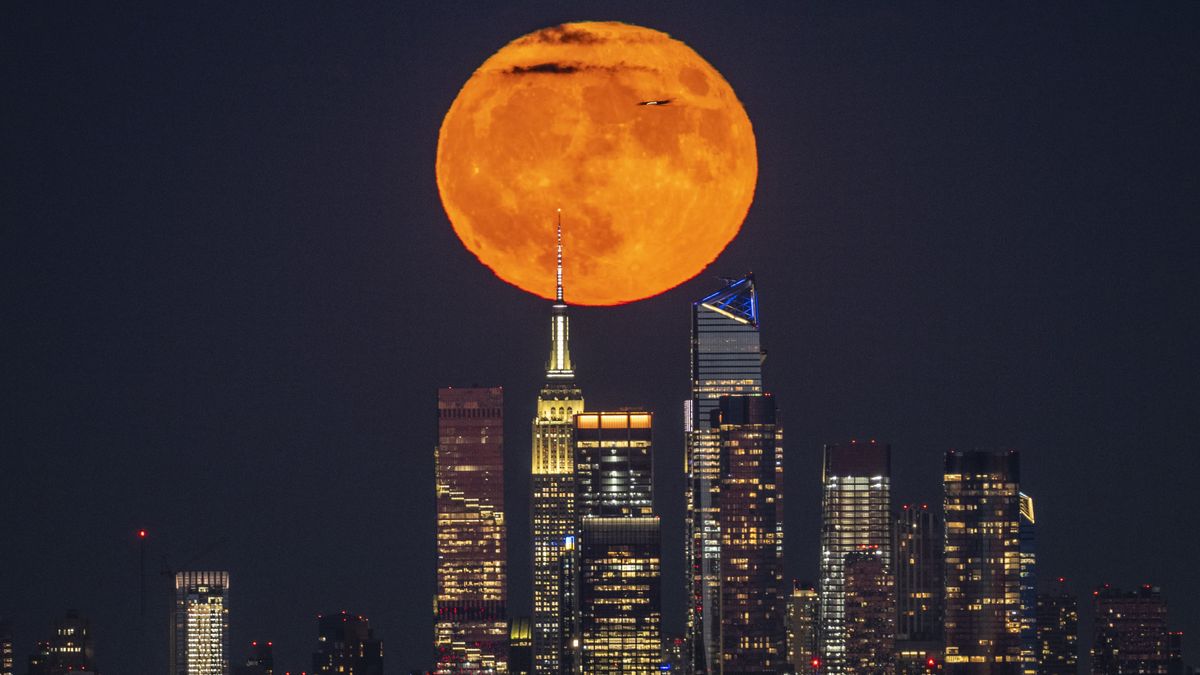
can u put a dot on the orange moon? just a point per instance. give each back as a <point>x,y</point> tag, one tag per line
<point>636,138</point>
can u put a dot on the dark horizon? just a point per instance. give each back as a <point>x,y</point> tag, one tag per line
<point>231,294</point>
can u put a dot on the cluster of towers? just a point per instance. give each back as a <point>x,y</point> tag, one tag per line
<point>900,590</point>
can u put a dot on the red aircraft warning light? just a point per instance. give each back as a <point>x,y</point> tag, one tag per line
<point>141,534</point>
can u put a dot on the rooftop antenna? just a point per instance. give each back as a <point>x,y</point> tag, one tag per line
<point>558,294</point>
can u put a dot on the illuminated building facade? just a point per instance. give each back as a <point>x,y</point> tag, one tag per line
<point>568,601</point>
<point>552,504</point>
<point>870,614</point>
<point>346,645</point>
<point>69,651</point>
<point>620,579</point>
<point>260,660</point>
<point>6,648</point>
<point>855,516</point>
<point>470,624</point>
<point>520,646</point>
<point>802,626</point>
<point>200,624</point>
<point>917,545</point>
<point>1028,548</point>
<point>726,358</point>
<point>1131,633</point>
<point>983,562</point>
<point>753,636</point>
<point>614,464</point>
<point>1058,632</point>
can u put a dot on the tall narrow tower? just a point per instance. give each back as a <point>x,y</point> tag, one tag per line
<point>552,507</point>
<point>726,359</point>
<point>200,624</point>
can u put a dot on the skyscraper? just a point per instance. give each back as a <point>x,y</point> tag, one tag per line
<point>346,645</point>
<point>1058,632</point>
<point>552,504</point>
<point>983,563</point>
<point>69,651</point>
<point>520,646</point>
<point>1130,632</point>
<point>619,564</point>
<point>870,610</point>
<point>6,648</point>
<point>726,358</point>
<point>753,638</point>
<point>917,545</point>
<point>620,593</point>
<point>803,607</point>
<point>200,624</point>
<point>260,660</point>
<point>855,516</point>
<point>471,626</point>
<point>1028,549</point>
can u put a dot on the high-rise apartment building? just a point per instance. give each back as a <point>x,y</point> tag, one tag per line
<point>753,637</point>
<point>260,660</point>
<point>726,358</point>
<point>983,563</point>
<point>1131,633</point>
<point>552,505</point>
<point>855,517</point>
<point>471,625</point>
<point>917,546</point>
<point>870,611</point>
<point>200,624</point>
<point>620,594</point>
<point>1058,632</point>
<point>346,645</point>
<point>1028,547</point>
<point>69,651</point>
<point>802,624</point>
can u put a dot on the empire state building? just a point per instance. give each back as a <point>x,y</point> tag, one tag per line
<point>553,508</point>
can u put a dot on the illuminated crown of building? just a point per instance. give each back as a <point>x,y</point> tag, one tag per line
<point>560,367</point>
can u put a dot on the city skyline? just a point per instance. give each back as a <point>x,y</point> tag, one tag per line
<point>233,293</point>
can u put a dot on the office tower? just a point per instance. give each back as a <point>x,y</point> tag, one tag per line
<point>620,578</point>
<point>1027,546</point>
<point>802,626</point>
<point>520,646</point>
<point>726,358</point>
<point>470,626</point>
<point>855,516</point>
<point>675,653</point>
<point>552,504</point>
<point>1130,632</point>
<point>870,611</point>
<point>6,648</point>
<point>1057,632</point>
<point>346,645</point>
<point>917,546</point>
<point>260,660</point>
<point>614,463</point>
<point>753,637</point>
<point>568,602</point>
<point>200,624</point>
<point>983,562</point>
<point>68,651</point>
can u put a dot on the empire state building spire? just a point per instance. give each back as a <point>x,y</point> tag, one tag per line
<point>560,367</point>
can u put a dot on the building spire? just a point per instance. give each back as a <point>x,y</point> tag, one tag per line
<point>558,294</point>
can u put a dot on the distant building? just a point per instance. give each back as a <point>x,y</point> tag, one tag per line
<point>346,645</point>
<point>199,643</point>
<point>1131,633</point>
<point>260,660</point>
<point>470,623</point>
<point>802,626</point>
<point>520,646</point>
<point>753,636</point>
<point>1028,548</point>
<point>855,516</point>
<point>620,594</point>
<point>675,652</point>
<point>983,563</point>
<point>726,358</point>
<point>917,544</point>
<point>1058,632</point>
<point>614,463</point>
<point>6,648</point>
<point>69,651</point>
<point>870,612</point>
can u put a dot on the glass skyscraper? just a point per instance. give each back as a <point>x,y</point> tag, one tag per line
<point>1028,549</point>
<point>803,607</point>
<point>983,563</point>
<point>726,358</point>
<point>917,546</point>
<point>552,505</point>
<point>855,517</point>
<point>200,624</point>
<point>470,623</point>
<point>614,463</point>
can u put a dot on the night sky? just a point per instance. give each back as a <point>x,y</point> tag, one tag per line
<point>230,293</point>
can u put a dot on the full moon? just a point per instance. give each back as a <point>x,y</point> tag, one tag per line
<point>640,143</point>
